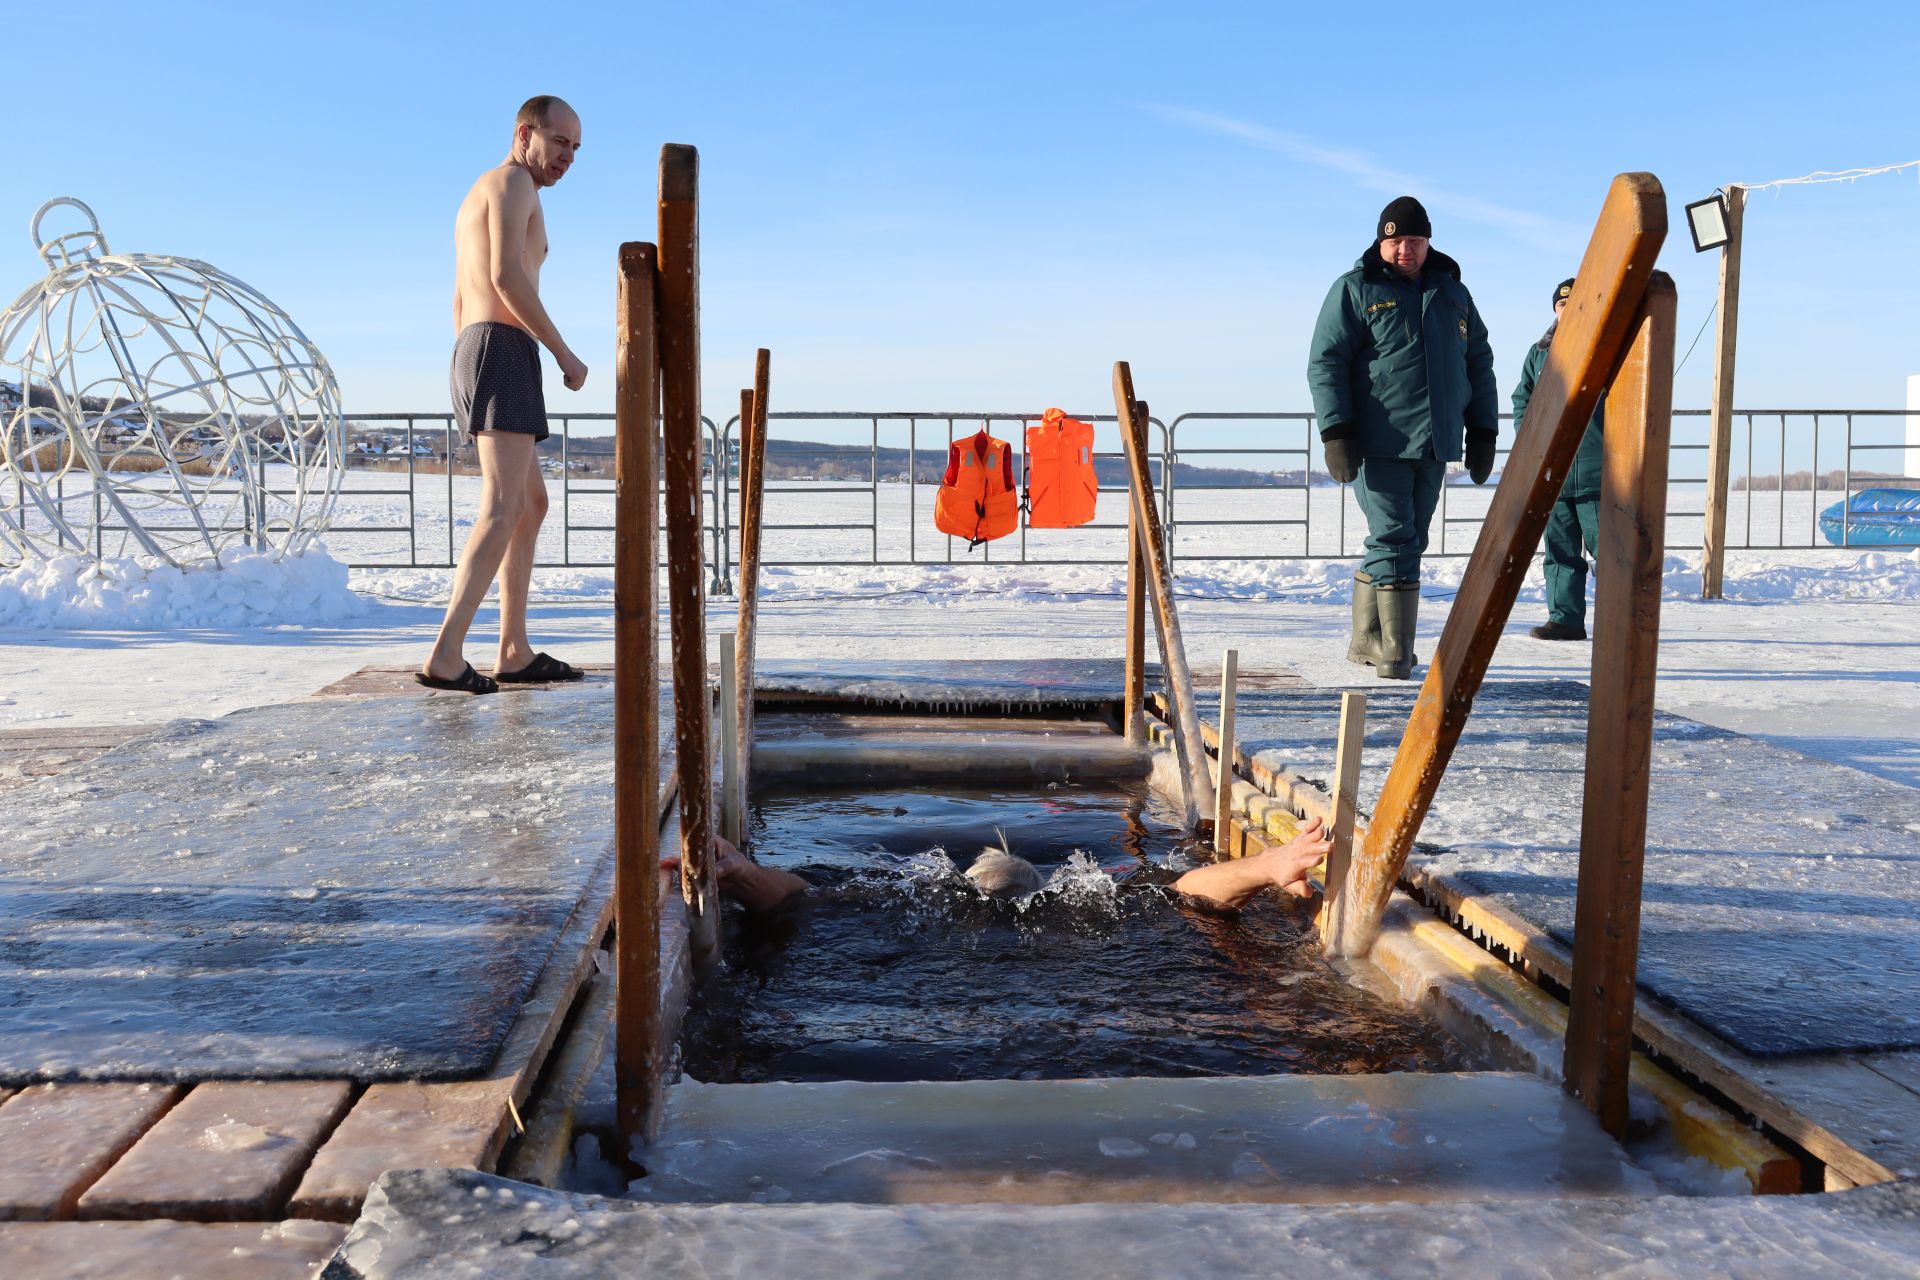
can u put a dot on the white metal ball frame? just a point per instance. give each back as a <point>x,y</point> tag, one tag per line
<point>139,363</point>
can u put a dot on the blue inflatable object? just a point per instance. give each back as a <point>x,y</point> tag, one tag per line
<point>1875,518</point>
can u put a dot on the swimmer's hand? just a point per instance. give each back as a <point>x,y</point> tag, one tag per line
<point>1235,882</point>
<point>572,371</point>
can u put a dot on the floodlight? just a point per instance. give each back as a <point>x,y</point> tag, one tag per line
<point>1707,220</point>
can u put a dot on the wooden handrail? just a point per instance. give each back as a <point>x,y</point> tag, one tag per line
<point>1587,348</point>
<point>686,572</point>
<point>753,453</point>
<point>638,1053</point>
<point>1626,648</point>
<point>1195,782</point>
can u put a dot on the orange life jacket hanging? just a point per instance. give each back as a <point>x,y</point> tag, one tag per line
<point>1061,487</point>
<point>977,499</point>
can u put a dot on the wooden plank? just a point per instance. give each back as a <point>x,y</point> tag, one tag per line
<point>542,1151</point>
<point>1133,711</point>
<point>1592,336</point>
<point>231,1151</point>
<point>638,1070</point>
<point>1223,774</point>
<point>686,569</point>
<point>731,813</point>
<point>195,1250</point>
<point>1836,1109</point>
<point>1901,1068</point>
<point>1626,658</point>
<point>753,453</point>
<point>1720,440</point>
<point>457,1124</point>
<point>404,1125</point>
<point>57,1139</point>
<point>1173,654</point>
<point>1697,1126</point>
<point>1346,790</point>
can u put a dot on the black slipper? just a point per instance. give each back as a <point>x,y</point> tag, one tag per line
<point>544,669</point>
<point>468,681</point>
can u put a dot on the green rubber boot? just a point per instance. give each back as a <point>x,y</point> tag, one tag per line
<point>1364,648</point>
<point>1399,608</point>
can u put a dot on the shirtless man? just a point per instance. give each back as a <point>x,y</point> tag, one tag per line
<point>500,241</point>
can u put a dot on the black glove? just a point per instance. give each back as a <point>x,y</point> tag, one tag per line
<point>1343,460</point>
<point>1480,446</point>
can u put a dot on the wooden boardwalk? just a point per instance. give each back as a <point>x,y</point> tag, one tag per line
<point>254,1178</point>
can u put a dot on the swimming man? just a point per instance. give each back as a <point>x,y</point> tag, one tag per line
<point>500,242</point>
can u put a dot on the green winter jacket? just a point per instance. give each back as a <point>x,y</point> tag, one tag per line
<point>1583,478</point>
<point>1405,363</point>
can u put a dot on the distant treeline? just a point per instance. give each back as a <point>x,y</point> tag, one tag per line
<point>1803,481</point>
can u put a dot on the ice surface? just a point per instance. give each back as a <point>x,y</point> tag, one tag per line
<point>1782,893</point>
<point>361,888</point>
<point>952,685</point>
<point>1294,1139</point>
<point>456,1225</point>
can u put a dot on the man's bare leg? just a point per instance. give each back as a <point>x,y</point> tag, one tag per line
<point>516,573</point>
<point>504,459</point>
<point>1235,882</point>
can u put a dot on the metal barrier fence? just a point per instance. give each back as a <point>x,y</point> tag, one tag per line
<point>869,478</point>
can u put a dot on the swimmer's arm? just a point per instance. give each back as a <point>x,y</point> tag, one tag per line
<point>1238,881</point>
<point>753,886</point>
<point>509,210</point>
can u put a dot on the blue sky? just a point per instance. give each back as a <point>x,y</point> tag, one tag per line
<point>982,206</point>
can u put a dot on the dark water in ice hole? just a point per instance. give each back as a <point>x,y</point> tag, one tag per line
<point>894,968</point>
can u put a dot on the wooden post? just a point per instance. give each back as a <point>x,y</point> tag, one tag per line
<point>1334,907</point>
<point>686,568</point>
<point>1626,643</point>
<point>729,743</point>
<point>753,458</point>
<point>1191,747</point>
<point>638,1054</point>
<point>1713,552</point>
<point>1223,775</point>
<point>1587,348</point>
<point>1136,613</point>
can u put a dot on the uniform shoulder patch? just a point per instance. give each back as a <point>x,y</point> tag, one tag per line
<point>1388,305</point>
<point>1463,328</point>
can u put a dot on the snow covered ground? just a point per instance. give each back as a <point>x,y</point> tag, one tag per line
<point>1815,649</point>
<point>1819,651</point>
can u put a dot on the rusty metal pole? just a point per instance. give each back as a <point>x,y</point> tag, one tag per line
<point>639,1065</point>
<point>682,431</point>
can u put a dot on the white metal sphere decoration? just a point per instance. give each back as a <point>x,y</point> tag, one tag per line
<point>157,406</point>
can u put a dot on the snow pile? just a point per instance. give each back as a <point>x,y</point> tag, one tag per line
<point>247,589</point>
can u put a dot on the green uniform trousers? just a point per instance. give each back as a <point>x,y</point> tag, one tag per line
<point>1572,524</point>
<point>1398,496</point>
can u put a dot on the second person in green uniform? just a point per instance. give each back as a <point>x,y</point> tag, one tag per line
<point>1402,380</point>
<point>1575,520</point>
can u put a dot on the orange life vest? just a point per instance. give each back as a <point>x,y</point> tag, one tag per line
<point>1061,488</point>
<point>977,499</point>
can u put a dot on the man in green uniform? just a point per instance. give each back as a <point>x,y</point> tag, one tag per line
<point>1576,515</point>
<point>1402,380</point>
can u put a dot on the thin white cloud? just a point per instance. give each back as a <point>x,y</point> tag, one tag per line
<point>1546,233</point>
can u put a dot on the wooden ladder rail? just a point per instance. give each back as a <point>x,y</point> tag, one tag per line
<point>1626,647</point>
<point>686,562</point>
<point>1196,783</point>
<point>1587,349</point>
<point>753,453</point>
<point>639,1063</point>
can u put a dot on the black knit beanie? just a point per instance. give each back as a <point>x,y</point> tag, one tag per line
<point>1563,290</point>
<point>1404,217</point>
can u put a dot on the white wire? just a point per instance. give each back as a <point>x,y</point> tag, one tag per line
<point>1824,175</point>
